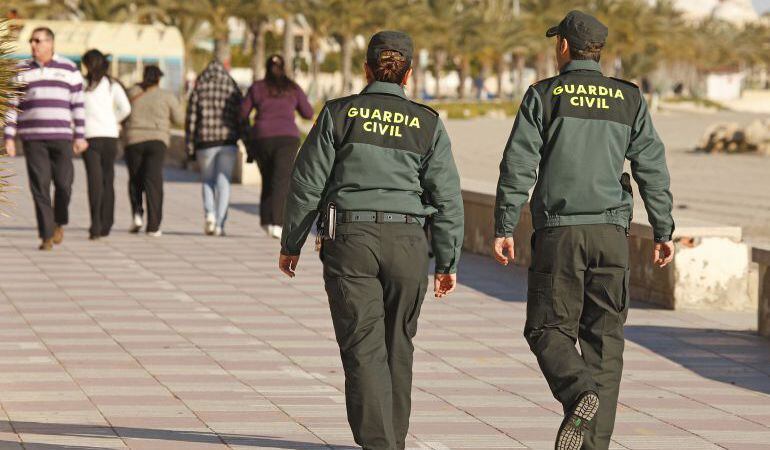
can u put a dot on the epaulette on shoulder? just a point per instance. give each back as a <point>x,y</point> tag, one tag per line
<point>630,83</point>
<point>340,99</point>
<point>433,111</point>
<point>543,81</point>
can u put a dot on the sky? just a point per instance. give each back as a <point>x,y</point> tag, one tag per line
<point>762,5</point>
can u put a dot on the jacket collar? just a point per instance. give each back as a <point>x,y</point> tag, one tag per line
<point>582,64</point>
<point>380,87</point>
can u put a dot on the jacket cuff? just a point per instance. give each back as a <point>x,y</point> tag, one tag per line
<point>663,238</point>
<point>287,252</point>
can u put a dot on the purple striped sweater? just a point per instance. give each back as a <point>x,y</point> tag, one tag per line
<point>50,106</point>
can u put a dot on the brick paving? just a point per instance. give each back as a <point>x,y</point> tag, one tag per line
<point>195,342</point>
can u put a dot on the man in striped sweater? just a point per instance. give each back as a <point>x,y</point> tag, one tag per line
<point>50,122</point>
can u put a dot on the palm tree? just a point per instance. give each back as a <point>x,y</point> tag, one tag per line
<point>257,15</point>
<point>351,19</point>
<point>7,94</point>
<point>102,10</point>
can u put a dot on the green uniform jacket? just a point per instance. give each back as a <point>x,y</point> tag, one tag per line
<point>378,151</point>
<point>572,134</point>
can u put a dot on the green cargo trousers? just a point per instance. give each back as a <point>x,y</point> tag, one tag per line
<point>376,276</point>
<point>578,292</point>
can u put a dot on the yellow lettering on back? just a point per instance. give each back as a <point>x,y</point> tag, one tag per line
<point>574,101</point>
<point>369,126</point>
<point>558,90</point>
<point>569,89</point>
<point>619,94</point>
<point>353,112</point>
<point>581,89</point>
<point>415,123</point>
<point>376,114</point>
<point>386,116</point>
<point>592,90</point>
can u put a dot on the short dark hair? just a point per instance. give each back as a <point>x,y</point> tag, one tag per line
<point>391,67</point>
<point>151,77</point>
<point>592,50</point>
<point>45,30</point>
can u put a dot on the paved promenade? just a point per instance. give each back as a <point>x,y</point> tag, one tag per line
<point>194,342</point>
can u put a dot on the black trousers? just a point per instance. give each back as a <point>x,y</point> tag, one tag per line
<point>100,170</point>
<point>145,173</point>
<point>376,276</point>
<point>578,292</point>
<point>275,158</point>
<point>47,161</point>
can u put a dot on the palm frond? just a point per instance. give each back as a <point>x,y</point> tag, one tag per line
<point>8,92</point>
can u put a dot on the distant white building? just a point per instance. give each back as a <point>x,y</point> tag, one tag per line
<point>739,12</point>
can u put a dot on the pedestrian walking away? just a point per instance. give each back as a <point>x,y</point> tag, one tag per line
<point>106,105</point>
<point>153,110</point>
<point>376,166</point>
<point>572,135</point>
<point>274,137</point>
<point>50,124</point>
<point>212,129</point>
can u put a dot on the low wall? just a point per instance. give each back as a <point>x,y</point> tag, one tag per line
<point>761,256</point>
<point>710,270</point>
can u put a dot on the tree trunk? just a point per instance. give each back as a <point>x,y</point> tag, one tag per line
<point>288,44</point>
<point>501,67</point>
<point>519,87</point>
<point>465,69</point>
<point>258,55</point>
<point>347,61</point>
<point>418,76</point>
<point>315,68</point>
<point>439,61</point>
<point>222,50</point>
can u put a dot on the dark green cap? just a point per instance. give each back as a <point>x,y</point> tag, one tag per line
<point>389,40</point>
<point>580,29</point>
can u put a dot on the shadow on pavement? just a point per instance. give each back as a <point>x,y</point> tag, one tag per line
<point>248,208</point>
<point>740,358</point>
<point>485,275</point>
<point>107,432</point>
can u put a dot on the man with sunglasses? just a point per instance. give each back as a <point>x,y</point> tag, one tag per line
<point>50,122</point>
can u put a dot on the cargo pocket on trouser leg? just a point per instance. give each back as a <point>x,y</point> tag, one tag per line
<point>343,315</point>
<point>410,324</point>
<point>540,311</point>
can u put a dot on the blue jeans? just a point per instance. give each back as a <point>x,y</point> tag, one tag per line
<point>216,165</point>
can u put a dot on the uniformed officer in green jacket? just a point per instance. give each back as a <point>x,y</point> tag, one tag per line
<point>572,135</point>
<point>380,165</point>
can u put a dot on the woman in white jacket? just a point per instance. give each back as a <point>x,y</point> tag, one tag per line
<point>106,105</point>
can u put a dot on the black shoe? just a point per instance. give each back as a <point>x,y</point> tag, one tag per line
<point>570,436</point>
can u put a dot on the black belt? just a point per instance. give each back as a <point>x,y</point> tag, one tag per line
<point>374,217</point>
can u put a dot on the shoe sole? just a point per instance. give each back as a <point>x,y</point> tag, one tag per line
<point>570,436</point>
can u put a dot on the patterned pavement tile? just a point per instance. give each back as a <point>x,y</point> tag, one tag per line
<point>194,342</point>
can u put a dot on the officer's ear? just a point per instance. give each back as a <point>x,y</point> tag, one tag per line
<point>368,72</point>
<point>562,46</point>
<point>406,77</point>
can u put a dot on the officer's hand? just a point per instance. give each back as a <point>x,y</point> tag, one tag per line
<point>288,264</point>
<point>444,284</point>
<point>501,245</point>
<point>10,147</point>
<point>664,253</point>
